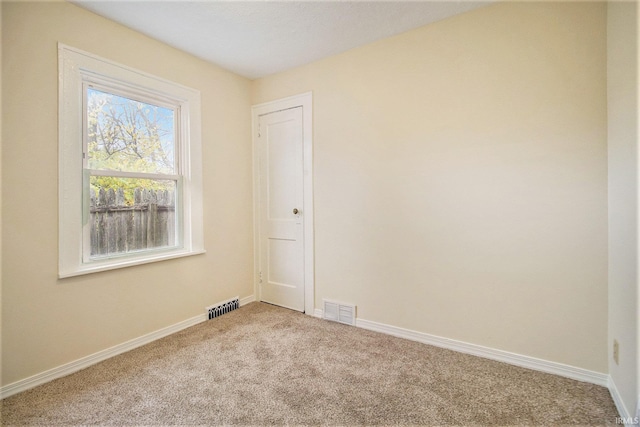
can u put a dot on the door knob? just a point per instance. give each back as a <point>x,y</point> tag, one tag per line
<point>295,211</point>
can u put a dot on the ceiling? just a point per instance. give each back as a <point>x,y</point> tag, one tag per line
<point>258,38</point>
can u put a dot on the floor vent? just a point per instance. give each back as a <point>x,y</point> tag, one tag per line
<point>339,312</point>
<point>222,308</point>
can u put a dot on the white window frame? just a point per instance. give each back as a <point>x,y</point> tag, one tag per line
<point>76,70</point>
<point>114,88</point>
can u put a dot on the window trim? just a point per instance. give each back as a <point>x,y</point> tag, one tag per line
<point>75,68</point>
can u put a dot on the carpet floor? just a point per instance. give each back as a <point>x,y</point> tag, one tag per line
<point>265,365</point>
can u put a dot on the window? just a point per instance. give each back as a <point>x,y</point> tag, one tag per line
<point>130,173</point>
<point>129,156</point>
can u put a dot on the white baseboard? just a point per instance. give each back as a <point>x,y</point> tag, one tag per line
<point>247,300</point>
<point>486,352</point>
<point>617,399</point>
<point>84,362</point>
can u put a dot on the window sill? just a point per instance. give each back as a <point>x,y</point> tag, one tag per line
<point>127,262</point>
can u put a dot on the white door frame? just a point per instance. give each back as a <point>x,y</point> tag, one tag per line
<point>305,101</point>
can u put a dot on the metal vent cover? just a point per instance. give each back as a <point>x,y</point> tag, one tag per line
<point>221,308</point>
<point>339,312</point>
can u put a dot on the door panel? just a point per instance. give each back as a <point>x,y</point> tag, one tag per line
<point>281,230</point>
<point>282,271</point>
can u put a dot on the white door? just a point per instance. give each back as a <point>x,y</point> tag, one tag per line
<point>280,142</point>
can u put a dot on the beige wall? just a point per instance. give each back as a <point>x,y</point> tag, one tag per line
<point>461,178</point>
<point>49,322</point>
<point>622,73</point>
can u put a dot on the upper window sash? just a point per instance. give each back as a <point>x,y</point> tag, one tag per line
<point>137,96</point>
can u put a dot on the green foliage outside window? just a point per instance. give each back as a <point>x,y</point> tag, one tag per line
<point>130,136</point>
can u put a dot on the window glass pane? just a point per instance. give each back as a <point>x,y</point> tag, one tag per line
<point>128,135</point>
<point>131,214</point>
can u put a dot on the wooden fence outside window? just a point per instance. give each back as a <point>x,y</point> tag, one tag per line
<point>118,226</point>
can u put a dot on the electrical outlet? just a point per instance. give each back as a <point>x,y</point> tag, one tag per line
<point>616,352</point>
